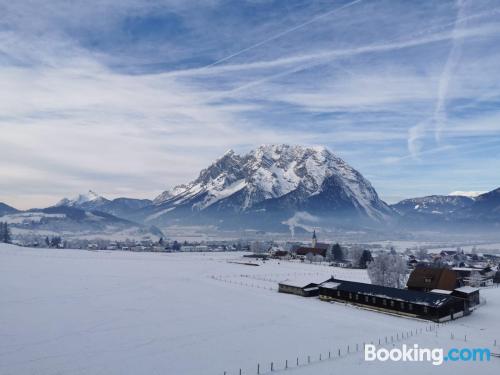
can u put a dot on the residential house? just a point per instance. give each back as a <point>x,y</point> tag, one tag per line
<point>425,279</point>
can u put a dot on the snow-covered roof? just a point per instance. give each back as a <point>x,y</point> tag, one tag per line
<point>310,288</point>
<point>465,269</point>
<point>441,291</point>
<point>467,289</point>
<point>330,285</point>
<point>303,281</point>
<point>403,295</point>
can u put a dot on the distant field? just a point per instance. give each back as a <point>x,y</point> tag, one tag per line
<point>85,312</point>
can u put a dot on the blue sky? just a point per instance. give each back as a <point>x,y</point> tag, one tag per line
<point>130,97</point>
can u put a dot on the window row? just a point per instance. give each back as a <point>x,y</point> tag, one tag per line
<point>385,302</point>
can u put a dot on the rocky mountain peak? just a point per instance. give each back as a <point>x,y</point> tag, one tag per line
<point>275,172</point>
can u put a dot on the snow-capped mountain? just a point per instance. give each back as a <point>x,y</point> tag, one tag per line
<point>433,204</point>
<point>486,208</point>
<point>274,181</point>
<point>73,222</point>
<point>125,208</point>
<point>88,200</point>
<point>451,212</point>
<point>470,194</point>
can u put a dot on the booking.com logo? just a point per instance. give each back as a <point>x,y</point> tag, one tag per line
<point>415,353</point>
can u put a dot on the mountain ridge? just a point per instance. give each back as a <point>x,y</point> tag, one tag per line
<point>272,185</point>
<point>271,178</point>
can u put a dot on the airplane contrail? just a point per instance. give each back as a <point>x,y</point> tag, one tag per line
<point>285,32</point>
<point>444,79</point>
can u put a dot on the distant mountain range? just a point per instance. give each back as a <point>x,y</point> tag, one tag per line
<point>120,207</point>
<point>452,212</point>
<point>277,188</point>
<point>83,217</point>
<point>6,209</point>
<point>442,205</point>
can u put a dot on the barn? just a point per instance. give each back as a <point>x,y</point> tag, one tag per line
<point>425,305</point>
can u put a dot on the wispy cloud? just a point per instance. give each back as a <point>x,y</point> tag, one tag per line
<point>440,116</point>
<point>132,97</point>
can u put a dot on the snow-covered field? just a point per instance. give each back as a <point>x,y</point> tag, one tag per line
<point>84,312</point>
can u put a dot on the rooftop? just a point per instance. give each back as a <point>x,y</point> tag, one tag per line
<point>302,282</point>
<point>404,295</point>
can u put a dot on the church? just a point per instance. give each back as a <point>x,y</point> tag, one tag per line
<point>316,248</point>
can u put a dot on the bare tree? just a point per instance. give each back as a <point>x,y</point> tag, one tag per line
<point>318,258</point>
<point>388,270</point>
<point>354,254</point>
<point>475,279</point>
<point>421,253</point>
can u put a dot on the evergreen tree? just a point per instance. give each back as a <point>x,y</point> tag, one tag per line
<point>5,233</point>
<point>2,231</point>
<point>7,236</point>
<point>337,252</point>
<point>56,241</point>
<point>176,246</point>
<point>47,241</point>
<point>366,257</point>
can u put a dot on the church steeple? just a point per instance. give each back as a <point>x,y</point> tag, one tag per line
<point>314,239</point>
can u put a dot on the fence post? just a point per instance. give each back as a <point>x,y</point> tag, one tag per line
<point>308,359</point>
<point>286,364</point>
<point>297,361</point>
<point>347,348</point>
<point>329,355</point>
<point>357,347</point>
<point>465,338</point>
<point>272,366</point>
<point>339,352</point>
<point>258,368</point>
<point>495,342</point>
<point>240,371</point>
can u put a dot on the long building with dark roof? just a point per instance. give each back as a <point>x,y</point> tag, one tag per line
<point>431,306</point>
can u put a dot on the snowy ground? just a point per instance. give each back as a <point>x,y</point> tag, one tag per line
<point>84,312</point>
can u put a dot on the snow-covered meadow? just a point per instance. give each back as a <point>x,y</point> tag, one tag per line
<point>86,312</point>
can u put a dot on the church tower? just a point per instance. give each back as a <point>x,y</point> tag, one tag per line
<point>314,239</point>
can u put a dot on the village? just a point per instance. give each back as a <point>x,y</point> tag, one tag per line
<point>322,305</point>
<point>439,287</point>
